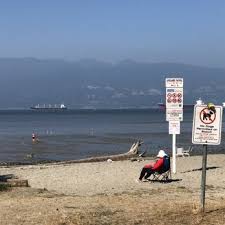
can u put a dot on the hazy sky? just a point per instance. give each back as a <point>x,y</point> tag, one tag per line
<point>188,31</point>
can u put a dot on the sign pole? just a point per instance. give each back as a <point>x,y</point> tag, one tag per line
<point>203,183</point>
<point>174,153</point>
<point>174,111</point>
<point>206,130</point>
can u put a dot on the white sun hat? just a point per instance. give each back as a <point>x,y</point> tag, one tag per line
<point>161,154</point>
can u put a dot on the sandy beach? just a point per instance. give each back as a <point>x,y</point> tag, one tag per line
<point>107,193</point>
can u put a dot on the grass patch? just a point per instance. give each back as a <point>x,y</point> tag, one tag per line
<point>4,187</point>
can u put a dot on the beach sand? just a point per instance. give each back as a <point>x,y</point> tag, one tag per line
<point>107,193</point>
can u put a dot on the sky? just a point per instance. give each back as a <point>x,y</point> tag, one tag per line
<point>181,31</point>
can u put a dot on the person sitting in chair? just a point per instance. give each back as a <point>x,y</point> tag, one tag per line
<point>160,166</point>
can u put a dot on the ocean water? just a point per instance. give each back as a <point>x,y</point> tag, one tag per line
<point>77,134</point>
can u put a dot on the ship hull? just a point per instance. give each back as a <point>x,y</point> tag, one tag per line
<point>48,109</point>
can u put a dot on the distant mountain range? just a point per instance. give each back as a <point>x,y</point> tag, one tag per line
<point>90,83</point>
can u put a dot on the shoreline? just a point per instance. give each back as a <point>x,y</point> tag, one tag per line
<point>20,150</point>
<point>132,152</point>
<point>92,159</point>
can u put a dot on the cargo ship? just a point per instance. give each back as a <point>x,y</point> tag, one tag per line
<point>49,108</point>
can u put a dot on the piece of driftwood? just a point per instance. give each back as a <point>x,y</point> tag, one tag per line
<point>134,151</point>
<point>5,177</point>
<point>12,181</point>
<point>17,183</point>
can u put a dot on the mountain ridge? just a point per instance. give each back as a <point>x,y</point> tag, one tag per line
<point>98,84</point>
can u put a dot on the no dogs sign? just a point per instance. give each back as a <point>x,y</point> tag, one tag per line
<point>207,125</point>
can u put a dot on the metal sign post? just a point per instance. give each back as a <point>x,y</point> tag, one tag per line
<point>174,169</point>
<point>206,130</point>
<point>174,111</point>
<point>203,183</point>
<point>174,128</point>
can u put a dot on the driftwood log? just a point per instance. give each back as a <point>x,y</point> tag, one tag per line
<point>17,183</point>
<point>133,152</point>
<point>12,181</point>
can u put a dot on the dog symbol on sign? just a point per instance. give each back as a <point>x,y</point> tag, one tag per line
<point>207,116</point>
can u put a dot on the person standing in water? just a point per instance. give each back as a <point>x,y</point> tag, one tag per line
<point>34,137</point>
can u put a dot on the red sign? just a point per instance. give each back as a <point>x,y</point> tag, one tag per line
<point>174,98</point>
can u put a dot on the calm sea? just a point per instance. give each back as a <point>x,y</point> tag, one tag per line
<point>76,134</point>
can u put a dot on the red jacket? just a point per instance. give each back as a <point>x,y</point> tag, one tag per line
<point>157,166</point>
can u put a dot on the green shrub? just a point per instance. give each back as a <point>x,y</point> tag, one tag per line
<point>3,187</point>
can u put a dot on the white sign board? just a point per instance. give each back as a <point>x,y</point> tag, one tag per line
<point>174,98</point>
<point>174,127</point>
<point>174,114</point>
<point>207,125</point>
<point>174,82</point>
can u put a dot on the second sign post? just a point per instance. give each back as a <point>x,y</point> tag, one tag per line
<point>206,130</point>
<point>174,111</point>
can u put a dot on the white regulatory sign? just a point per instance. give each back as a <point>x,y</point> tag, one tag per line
<point>207,125</point>
<point>174,127</point>
<point>174,114</point>
<point>174,98</point>
<point>174,82</point>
